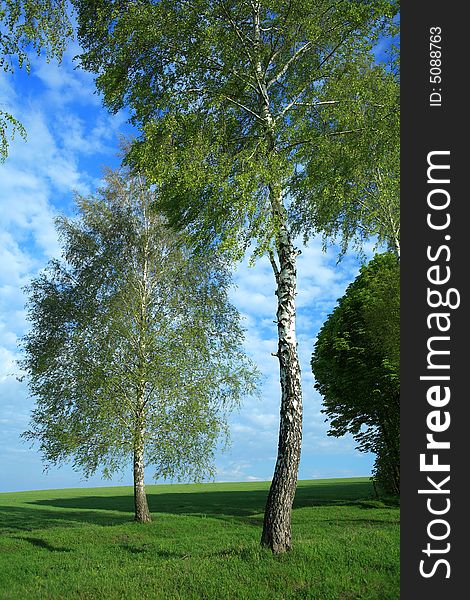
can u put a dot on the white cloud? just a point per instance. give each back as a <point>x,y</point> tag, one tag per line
<point>65,84</point>
<point>7,363</point>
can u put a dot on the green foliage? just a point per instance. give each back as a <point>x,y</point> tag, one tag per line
<point>235,99</point>
<point>37,25</point>
<point>133,341</point>
<point>8,121</point>
<point>357,195</point>
<point>66,544</point>
<point>356,364</point>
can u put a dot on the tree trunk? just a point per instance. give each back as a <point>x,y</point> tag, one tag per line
<point>142,514</point>
<point>277,531</point>
<point>392,454</point>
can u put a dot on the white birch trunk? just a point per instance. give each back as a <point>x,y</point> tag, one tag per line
<point>277,530</point>
<point>142,514</point>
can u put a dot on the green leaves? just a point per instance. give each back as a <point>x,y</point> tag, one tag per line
<point>132,335</point>
<point>349,190</point>
<point>8,122</point>
<point>232,98</point>
<point>356,363</point>
<point>36,24</point>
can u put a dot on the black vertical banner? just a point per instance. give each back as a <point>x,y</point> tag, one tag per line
<point>435,357</point>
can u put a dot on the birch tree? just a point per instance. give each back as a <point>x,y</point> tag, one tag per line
<point>134,352</point>
<point>231,100</point>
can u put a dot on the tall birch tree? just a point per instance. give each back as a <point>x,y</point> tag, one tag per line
<point>232,100</point>
<point>134,353</point>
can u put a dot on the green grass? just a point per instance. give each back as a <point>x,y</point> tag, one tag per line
<point>202,544</point>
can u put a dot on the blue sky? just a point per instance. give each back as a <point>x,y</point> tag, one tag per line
<point>70,138</point>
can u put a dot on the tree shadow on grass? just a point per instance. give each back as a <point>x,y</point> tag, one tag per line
<point>25,518</point>
<point>246,506</point>
<point>39,543</point>
<point>243,503</point>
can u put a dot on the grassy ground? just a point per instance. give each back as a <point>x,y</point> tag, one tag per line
<point>202,544</point>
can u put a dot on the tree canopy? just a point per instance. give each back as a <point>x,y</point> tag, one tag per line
<point>356,364</point>
<point>244,96</point>
<point>134,351</point>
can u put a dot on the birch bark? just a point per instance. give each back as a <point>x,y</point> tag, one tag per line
<point>142,514</point>
<point>277,528</point>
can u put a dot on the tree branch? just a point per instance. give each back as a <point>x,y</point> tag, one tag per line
<point>273,264</point>
<point>346,131</point>
<point>292,59</point>
<point>245,108</point>
<point>237,31</point>
<point>234,72</point>
<point>322,62</point>
<point>316,103</point>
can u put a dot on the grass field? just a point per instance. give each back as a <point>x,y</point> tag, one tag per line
<point>202,544</point>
